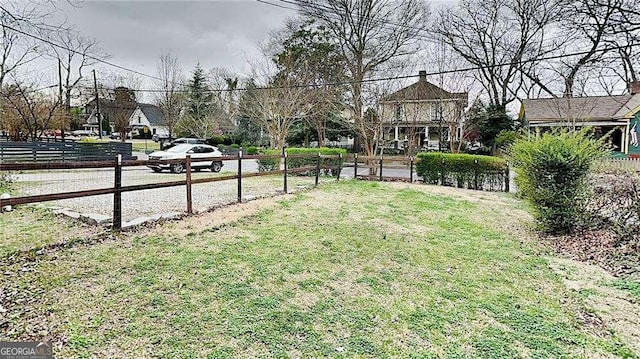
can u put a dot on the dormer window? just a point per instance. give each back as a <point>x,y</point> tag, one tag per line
<point>398,112</point>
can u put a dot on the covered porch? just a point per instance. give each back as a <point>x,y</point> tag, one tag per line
<point>425,137</point>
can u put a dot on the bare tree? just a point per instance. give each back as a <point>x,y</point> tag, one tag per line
<point>587,24</point>
<point>27,111</point>
<point>367,42</point>
<point>123,106</point>
<point>171,97</point>
<point>16,49</point>
<point>497,36</point>
<point>275,107</point>
<point>74,55</point>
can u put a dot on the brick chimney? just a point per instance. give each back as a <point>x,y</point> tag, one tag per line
<point>634,87</point>
<point>423,75</point>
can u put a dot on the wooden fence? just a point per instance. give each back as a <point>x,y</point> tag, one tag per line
<point>118,188</point>
<point>629,163</point>
<point>62,151</point>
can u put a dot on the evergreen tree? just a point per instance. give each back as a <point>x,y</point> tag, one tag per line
<point>199,97</point>
<point>487,121</point>
<point>198,117</point>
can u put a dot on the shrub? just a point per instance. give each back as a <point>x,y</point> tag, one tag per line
<point>551,171</point>
<point>269,164</point>
<point>252,150</point>
<point>216,140</point>
<point>461,169</point>
<point>505,139</point>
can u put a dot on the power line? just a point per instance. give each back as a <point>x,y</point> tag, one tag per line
<point>49,42</point>
<point>402,77</point>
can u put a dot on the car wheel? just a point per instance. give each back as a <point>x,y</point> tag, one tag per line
<point>216,166</point>
<point>177,167</point>
<point>157,170</point>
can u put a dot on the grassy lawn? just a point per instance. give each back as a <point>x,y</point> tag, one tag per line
<point>28,228</point>
<point>139,146</point>
<point>352,269</point>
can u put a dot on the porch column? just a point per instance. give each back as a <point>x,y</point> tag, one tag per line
<point>396,133</point>
<point>625,138</point>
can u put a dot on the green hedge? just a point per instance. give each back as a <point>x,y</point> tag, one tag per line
<point>273,163</point>
<point>462,170</point>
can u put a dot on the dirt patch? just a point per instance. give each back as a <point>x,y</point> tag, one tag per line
<point>598,247</point>
<point>216,218</point>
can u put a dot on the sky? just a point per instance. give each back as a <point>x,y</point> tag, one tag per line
<point>216,34</point>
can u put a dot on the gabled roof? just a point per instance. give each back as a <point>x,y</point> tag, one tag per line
<point>577,108</point>
<point>107,110</point>
<point>424,90</point>
<point>152,113</point>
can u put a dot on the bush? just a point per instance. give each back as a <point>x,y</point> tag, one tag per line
<point>216,140</point>
<point>504,139</point>
<point>273,163</point>
<point>461,169</point>
<point>252,150</point>
<point>551,172</point>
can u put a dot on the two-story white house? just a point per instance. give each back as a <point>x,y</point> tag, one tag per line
<point>422,116</point>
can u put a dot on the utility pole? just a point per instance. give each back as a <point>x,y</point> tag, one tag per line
<point>95,88</point>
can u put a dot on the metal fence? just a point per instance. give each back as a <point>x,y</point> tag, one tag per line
<point>62,151</point>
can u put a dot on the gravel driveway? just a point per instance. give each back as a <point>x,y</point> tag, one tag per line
<point>155,201</point>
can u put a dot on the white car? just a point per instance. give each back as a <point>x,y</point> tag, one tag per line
<point>84,133</point>
<point>198,153</point>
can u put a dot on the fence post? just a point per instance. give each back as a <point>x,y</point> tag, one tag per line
<point>410,169</point>
<point>355,166</point>
<point>442,172</point>
<point>475,174</point>
<point>506,178</point>
<point>284,157</point>
<point>117,195</point>
<point>189,198</point>
<point>339,166</point>
<point>317,170</point>
<point>240,176</point>
<point>380,168</point>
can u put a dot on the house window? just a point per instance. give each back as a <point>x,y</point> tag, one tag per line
<point>139,120</point>
<point>398,112</point>
<point>434,111</point>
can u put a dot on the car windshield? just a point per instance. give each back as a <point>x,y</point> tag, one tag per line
<point>180,148</point>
